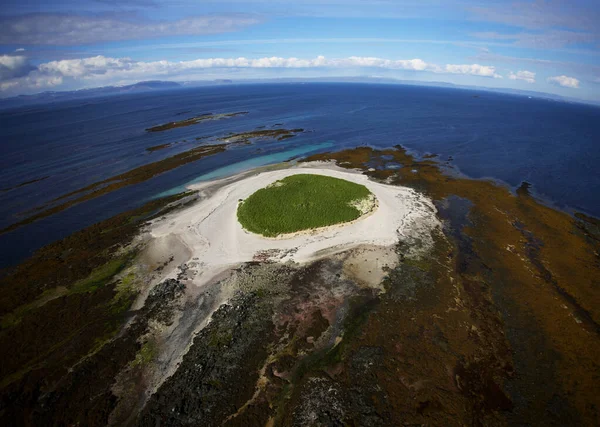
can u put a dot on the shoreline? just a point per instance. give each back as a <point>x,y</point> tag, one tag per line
<point>210,229</point>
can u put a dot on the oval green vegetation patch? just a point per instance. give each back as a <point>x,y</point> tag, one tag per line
<point>302,202</point>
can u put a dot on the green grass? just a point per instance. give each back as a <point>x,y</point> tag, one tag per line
<point>300,202</point>
<point>126,293</point>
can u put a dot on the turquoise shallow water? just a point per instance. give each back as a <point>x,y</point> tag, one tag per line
<point>245,165</point>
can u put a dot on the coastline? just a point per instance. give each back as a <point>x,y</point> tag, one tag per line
<point>504,285</point>
<point>216,239</point>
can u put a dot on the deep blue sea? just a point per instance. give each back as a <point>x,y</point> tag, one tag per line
<point>553,145</point>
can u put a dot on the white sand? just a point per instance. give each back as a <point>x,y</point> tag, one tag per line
<point>216,240</point>
<point>207,238</point>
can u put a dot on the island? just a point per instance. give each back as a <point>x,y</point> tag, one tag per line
<point>194,120</point>
<point>438,306</point>
<point>248,137</point>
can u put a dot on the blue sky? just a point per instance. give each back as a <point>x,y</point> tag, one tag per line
<point>547,46</point>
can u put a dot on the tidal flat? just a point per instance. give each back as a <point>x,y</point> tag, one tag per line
<point>481,310</point>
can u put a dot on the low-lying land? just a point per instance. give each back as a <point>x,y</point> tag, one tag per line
<point>158,147</point>
<point>194,120</point>
<point>456,302</point>
<point>211,235</point>
<point>248,137</point>
<point>303,202</point>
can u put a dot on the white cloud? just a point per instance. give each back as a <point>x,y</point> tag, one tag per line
<point>20,49</point>
<point>101,70</point>
<point>31,83</point>
<point>524,75</point>
<point>13,66</point>
<point>402,64</point>
<point>70,29</point>
<point>565,81</point>
<point>473,69</point>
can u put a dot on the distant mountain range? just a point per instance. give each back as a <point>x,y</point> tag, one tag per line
<point>156,85</point>
<point>47,97</point>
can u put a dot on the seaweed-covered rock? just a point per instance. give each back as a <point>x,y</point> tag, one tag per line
<point>219,372</point>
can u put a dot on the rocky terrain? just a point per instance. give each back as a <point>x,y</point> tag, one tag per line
<point>489,319</point>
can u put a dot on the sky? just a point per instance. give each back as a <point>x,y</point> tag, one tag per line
<point>550,46</point>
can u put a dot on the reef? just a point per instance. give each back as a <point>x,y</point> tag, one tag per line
<point>23,184</point>
<point>134,176</point>
<point>255,135</point>
<point>194,120</point>
<point>147,171</point>
<point>158,147</point>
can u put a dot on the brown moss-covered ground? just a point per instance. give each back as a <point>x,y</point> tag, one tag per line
<point>495,326</point>
<point>508,333</point>
<point>62,305</point>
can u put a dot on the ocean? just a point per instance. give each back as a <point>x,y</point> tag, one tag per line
<point>555,146</point>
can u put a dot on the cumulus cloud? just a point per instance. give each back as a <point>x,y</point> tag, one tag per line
<point>473,69</point>
<point>524,75</point>
<point>70,29</point>
<point>32,82</point>
<point>101,70</point>
<point>564,81</point>
<point>401,64</point>
<point>13,66</point>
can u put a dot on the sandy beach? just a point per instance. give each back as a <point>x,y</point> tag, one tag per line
<point>214,240</point>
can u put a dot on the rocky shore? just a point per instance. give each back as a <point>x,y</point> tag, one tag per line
<point>194,121</point>
<point>484,311</point>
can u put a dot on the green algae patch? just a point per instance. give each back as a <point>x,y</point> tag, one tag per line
<point>302,202</point>
<point>126,291</point>
<point>148,351</point>
<point>99,276</point>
